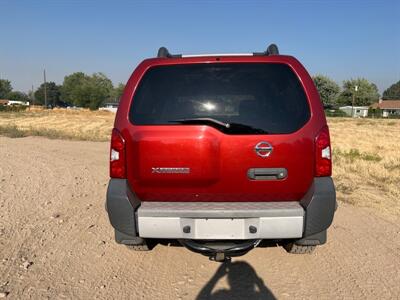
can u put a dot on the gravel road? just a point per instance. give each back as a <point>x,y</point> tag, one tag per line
<point>56,242</point>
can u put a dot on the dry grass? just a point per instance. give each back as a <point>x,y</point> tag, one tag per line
<point>366,162</point>
<point>58,123</point>
<point>366,152</point>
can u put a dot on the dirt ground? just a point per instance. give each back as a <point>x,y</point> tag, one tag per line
<point>56,242</point>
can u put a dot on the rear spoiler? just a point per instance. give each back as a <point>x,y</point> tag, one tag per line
<point>271,50</point>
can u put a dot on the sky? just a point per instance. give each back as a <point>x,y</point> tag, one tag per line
<point>339,39</point>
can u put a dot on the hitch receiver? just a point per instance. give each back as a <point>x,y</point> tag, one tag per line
<point>220,253</point>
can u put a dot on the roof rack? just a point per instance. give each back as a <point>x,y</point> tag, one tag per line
<point>271,50</point>
<point>163,52</point>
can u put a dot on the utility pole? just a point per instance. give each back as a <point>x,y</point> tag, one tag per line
<point>45,88</point>
<point>354,99</point>
<point>33,96</point>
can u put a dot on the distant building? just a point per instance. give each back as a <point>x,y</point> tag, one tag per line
<point>14,102</point>
<point>388,107</point>
<point>355,111</point>
<point>110,107</point>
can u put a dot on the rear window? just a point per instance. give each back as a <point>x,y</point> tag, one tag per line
<point>251,97</point>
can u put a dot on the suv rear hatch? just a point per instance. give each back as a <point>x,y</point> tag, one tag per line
<point>220,132</point>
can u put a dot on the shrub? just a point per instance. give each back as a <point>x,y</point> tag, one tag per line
<point>13,108</point>
<point>354,154</point>
<point>374,113</point>
<point>335,113</point>
<point>11,131</point>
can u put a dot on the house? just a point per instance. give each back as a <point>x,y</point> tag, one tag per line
<point>388,107</point>
<point>110,107</point>
<point>4,101</point>
<point>355,111</point>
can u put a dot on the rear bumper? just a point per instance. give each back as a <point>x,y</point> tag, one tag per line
<point>222,221</point>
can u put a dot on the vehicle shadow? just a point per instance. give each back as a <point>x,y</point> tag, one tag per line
<point>243,281</point>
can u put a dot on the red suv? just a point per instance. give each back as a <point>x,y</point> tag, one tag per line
<point>221,152</point>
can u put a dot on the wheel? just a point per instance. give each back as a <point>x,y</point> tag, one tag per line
<point>292,248</point>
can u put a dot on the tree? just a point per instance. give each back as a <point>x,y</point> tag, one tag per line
<point>31,95</point>
<point>87,91</point>
<point>366,94</point>
<point>18,96</point>
<point>71,87</point>
<point>328,90</point>
<point>5,88</point>
<point>100,88</point>
<point>53,94</point>
<point>117,92</point>
<point>393,92</point>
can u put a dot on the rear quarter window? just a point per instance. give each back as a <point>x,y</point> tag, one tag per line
<point>263,96</point>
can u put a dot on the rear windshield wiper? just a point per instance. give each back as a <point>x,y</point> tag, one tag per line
<point>243,128</point>
<point>235,128</point>
<point>201,121</point>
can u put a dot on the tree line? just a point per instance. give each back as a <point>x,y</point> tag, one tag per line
<point>91,91</point>
<point>77,89</point>
<point>359,90</point>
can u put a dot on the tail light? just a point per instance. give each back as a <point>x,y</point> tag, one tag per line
<point>323,159</point>
<point>117,155</point>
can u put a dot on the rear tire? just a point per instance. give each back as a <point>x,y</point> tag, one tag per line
<point>140,245</point>
<point>292,248</point>
<point>144,247</point>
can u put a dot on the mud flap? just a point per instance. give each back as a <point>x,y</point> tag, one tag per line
<point>121,205</point>
<point>319,204</point>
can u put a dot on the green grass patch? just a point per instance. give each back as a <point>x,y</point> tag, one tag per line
<point>11,131</point>
<point>13,108</point>
<point>355,154</point>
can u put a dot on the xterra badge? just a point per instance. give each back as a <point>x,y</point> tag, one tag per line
<point>170,170</point>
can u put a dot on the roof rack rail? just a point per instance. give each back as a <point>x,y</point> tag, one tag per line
<point>271,50</point>
<point>163,52</point>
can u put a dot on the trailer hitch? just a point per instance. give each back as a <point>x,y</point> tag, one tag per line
<point>220,257</point>
<point>220,251</point>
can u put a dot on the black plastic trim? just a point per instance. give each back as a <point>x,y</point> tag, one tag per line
<point>121,204</point>
<point>164,53</point>
<point>271,50</point>
<point>313,240</point>
<point>319,204</point>
<point>267,173</point>
<point>236,250</point>
<point>126,239</point>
